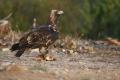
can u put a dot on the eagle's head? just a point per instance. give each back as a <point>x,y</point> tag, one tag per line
<point>54,17</point>
<point>56,13</point>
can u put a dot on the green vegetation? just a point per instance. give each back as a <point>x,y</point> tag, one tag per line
<point>95,19</point>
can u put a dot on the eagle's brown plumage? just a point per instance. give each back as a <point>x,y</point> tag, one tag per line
<point>40,36</point>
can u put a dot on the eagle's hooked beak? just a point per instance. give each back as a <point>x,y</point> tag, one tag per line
<point>60,12</point>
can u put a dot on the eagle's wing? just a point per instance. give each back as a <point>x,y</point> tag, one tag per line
<point>37,38</point>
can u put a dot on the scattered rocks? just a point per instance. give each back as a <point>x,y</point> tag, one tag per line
<point>85,49</point>
<point>44,57</point>
<point>71,57</point>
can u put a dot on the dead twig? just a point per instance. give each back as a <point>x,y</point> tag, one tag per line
<point>7,17</point>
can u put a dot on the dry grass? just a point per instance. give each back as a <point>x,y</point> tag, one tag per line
<point>10,38</point>
<point>13,36</point>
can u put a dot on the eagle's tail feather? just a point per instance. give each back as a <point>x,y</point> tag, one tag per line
<point>15,47</point>
<point>20,52</point>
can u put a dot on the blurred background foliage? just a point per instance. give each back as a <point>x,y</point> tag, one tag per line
<point>95,19</point>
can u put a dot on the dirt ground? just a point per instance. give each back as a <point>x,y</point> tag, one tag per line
<point>103,63</point>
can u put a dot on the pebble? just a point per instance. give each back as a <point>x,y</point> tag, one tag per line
<point>5,49</point>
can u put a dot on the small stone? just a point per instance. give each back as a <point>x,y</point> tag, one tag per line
<point>63,50</point>
<point>71,51</point>
<point>80,49</point>
<point>5,49</point>
<point>35,51</point>
<point>49,58</point>
<point>75,53</point>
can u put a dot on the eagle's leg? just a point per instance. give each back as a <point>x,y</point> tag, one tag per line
<point>43,50</point>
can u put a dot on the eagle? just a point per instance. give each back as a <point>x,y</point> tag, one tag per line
<point>39,36</point>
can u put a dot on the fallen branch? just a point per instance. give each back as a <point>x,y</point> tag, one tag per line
<point>113,41</point>
<point>7,17</point>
